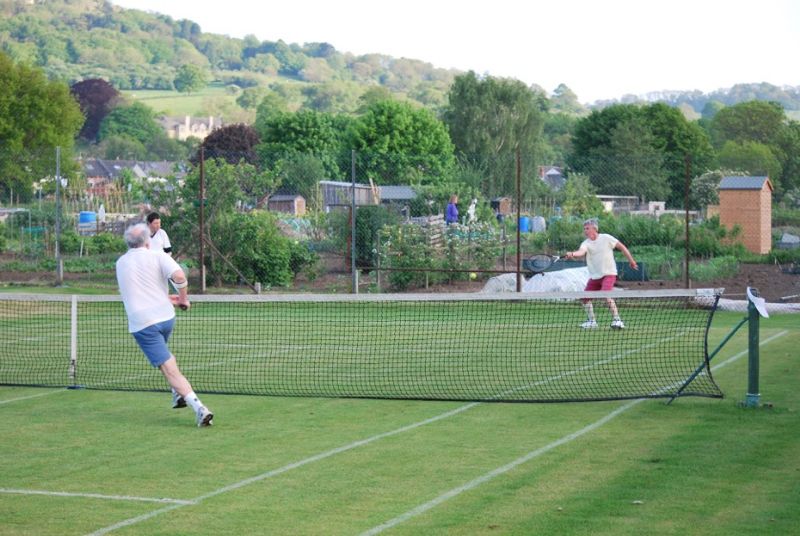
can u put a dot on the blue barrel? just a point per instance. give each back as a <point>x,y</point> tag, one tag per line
<point>87,217</point>
<point>524,224</point>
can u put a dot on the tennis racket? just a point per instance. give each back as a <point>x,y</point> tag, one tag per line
<point>536,264</point>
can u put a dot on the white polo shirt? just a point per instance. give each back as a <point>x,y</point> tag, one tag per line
<point>600,255</point>
<point>160,241</point>
<point>142,276</point>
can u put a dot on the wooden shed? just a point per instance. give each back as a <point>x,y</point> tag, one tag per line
<point>293,204</point>
<point>747,201</point>
<point>340,194</point>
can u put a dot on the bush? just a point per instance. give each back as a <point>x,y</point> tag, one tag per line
<point>102,243</point>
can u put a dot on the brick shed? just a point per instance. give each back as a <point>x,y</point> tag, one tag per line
<point>747,201</point>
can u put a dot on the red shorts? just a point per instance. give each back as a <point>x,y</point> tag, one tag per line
<point>604,283</point>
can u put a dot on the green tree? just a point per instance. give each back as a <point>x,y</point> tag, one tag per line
<point>190,78</point>
<point>565,100</point>
<point>757,121</point>
<point>306,132</point>
<point>578,198</point>
<point>751,157</point>
<point>36,116</point>
<point>489,119</point>
<point>675,138</point>
<point>136,121</point>
<point>401,144</point>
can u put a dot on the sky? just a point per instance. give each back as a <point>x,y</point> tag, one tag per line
<point>601,49</point>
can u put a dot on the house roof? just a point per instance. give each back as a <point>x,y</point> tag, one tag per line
<point>397,193</point>
<point>744,183</point>
<point>112,169</point>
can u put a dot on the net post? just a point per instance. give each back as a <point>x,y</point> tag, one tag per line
<point>752,398</point>
<point>73,338</point>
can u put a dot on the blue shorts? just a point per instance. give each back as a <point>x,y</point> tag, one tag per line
<point>153,341</point>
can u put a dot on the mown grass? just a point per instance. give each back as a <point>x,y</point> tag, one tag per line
<point>321,466</point>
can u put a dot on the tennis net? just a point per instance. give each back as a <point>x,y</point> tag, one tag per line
<point>484,347</point>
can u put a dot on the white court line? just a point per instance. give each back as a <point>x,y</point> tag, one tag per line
<point>531,455</point>
<point>356,444</point>
<point>94,496</point>
<point>37,395</point>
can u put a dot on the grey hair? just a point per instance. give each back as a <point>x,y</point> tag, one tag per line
<point>137,236</point>
<point>593,222</point>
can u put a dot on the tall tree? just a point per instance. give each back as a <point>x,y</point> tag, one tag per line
<point>401,144</point>
<point>36,116</point>
<point>96,98</point>
<point>489,119</point>
<point>301,136</point>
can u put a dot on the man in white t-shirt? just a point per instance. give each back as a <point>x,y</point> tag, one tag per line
<point>159,241</point>
<point>143,275</point>
<point>599,251</point>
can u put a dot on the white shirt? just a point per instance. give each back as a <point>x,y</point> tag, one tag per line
<point>142,278</point>
<point>160,241</point>
<point>600,255</point>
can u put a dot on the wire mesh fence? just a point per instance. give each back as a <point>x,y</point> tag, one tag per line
<point>376,221</point>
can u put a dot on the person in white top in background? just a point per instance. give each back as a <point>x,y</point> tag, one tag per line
<point>159,241</point>
<point>599,251</point>
<point>143,275</point>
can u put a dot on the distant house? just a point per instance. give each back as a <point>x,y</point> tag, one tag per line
<point>553,176</point>
<point>100,174</point>
<point>293,204</point>
<point>182,128</point>
<point>747,202</point>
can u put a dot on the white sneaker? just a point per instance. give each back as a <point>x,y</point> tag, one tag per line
<point>204,417</point>
<point>589,324</point>
<point>617,324</point>
<point>178,401</point>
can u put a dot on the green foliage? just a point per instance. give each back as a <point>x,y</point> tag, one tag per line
<point>136,122</point>
<point>489,119</point>
<point>36,116</point>
<point>669,139</point>
<point>190,78</point>
<point>751,157</point>
<point>305,138</point>
<point>3,241</point>
<point>401,144</point>
<point>578,197</point>
<point>253,244</point>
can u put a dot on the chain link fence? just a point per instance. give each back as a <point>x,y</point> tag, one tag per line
<point>376,222</point>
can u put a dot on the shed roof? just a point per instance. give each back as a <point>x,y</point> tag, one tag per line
<point>744,183</point>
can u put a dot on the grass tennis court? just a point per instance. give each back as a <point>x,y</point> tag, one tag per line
<point>97,462</point>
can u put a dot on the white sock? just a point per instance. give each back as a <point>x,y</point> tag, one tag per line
<point>589,311</point>
<point>193,401</point>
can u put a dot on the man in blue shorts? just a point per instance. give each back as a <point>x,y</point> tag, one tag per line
<point>142,275</point>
